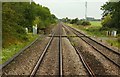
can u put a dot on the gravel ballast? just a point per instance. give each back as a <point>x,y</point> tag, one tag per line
<point>71,62</point>
<point>99,64</point>
<point>23,64</point>
<point>50,63</point>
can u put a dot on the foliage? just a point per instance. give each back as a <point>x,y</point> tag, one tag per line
<point>107,21</point>
<point>10,51</point>
<point>114,42</point>
<point>111,9</point>
<point>85,23</point>
<point>95,31</point>
<point>76,21</point>
<point>73,21</point>
<point>67,20</point>
<point>91,30</point>
<point>18,16</point>
<point>36,21</point>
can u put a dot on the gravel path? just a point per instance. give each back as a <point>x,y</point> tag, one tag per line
<point>50,63</point>
<point>23,64</point>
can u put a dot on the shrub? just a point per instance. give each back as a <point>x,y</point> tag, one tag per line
<point>85,23</point>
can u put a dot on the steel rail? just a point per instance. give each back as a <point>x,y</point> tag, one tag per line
<point>96,49</point>
<point>64,36</point>
<point>85,64</point>
<point>88,68</point>
<point>16,55</point>
<point>95,41</point>
<point>32,74</point>
<point>60,52</point>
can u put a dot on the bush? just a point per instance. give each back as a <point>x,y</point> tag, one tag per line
<point>79,22</point>
<point>85,23</point>
<point>20,30</point>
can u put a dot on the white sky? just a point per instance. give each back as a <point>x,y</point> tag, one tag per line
<point>73,8</point>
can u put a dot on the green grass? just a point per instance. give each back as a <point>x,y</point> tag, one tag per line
<point>10,51</point>
<point>114,43</point>
<point>96,23</point>
<point>92,30</point>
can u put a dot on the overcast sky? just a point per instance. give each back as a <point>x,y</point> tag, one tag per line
<point>73,8</point>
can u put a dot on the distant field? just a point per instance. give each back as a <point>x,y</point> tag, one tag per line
<point>96,23</point>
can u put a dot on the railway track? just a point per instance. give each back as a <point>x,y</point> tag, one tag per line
<point>87,67</point>
<point>36,67</point>
<point>41,58</point>
<point>16,55</point>
<point>98,47</point>
<point>85,64</point>
<point>58,33</point>
<point>81,34</point>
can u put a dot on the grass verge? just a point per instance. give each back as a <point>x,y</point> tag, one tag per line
<point>10,51</point>
<point>114,43</point>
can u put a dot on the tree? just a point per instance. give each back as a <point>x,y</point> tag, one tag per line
<point>113,9</point>
<point>74,21</point>
<point>106,21</point>
<point>17,16</point>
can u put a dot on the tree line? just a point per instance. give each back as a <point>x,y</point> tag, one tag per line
<point>76,21</point>
<point>16,16</point>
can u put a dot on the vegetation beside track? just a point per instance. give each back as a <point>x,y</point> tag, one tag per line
<point>16,17</point>
<point>10,51</point>
<point>94,30</point>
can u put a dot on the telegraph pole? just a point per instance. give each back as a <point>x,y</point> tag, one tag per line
<point>86,10</point>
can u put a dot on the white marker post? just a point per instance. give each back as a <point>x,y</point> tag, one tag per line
<point>114,33</point>
<point>35,29</point>
<point>26,29</point>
